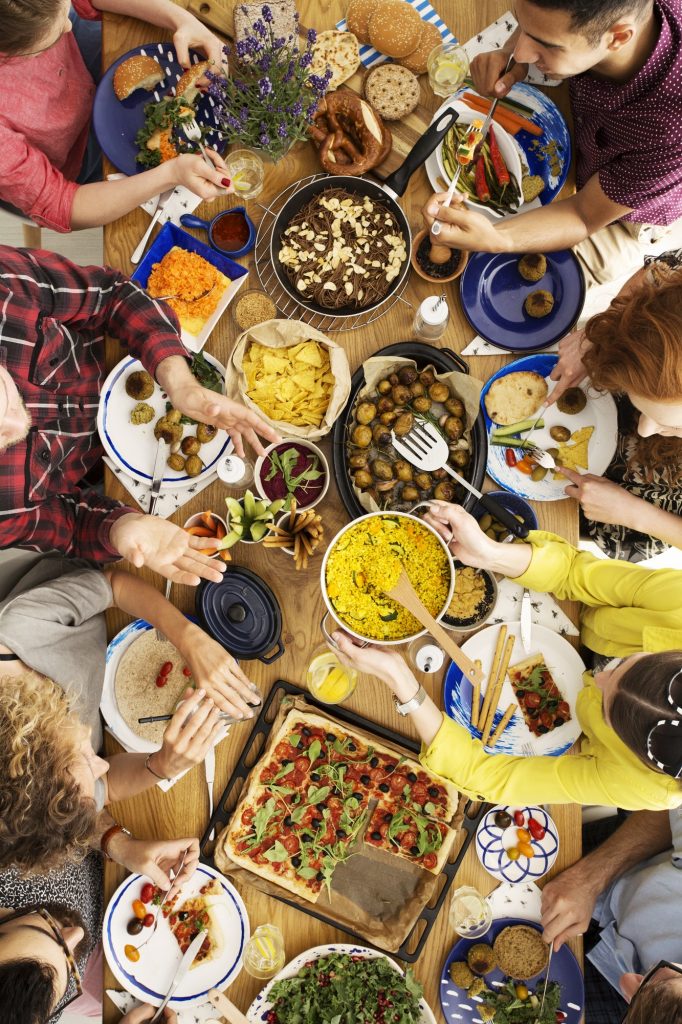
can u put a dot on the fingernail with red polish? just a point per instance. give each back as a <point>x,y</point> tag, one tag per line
<point>226,182</point>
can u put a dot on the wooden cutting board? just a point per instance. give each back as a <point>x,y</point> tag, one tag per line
<point>217,14</point>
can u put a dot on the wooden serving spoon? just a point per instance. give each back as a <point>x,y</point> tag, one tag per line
<point>226,1007</point>
<point>405,594</point>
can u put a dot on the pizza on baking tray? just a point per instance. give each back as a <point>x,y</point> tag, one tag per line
<point>538,696</point>
<point>309,800</point>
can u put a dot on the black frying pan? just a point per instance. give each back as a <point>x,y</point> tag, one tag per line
<point>387,193</point>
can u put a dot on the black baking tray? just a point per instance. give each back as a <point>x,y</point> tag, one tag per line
<point>443,360</point>
<point>413,945</point>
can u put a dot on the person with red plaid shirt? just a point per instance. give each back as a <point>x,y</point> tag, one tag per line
<point>53,319</point>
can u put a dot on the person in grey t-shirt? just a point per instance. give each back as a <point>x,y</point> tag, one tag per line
<point>631,888</point>
<point>55,784</point>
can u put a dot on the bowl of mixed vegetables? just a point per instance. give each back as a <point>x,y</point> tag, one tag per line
<point>492,180</point>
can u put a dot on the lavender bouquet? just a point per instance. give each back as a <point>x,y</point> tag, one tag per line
<point>270,98</point>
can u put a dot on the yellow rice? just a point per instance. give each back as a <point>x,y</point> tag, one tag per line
<point>367,560</point>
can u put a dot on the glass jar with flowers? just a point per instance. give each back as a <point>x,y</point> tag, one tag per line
<point>269,99</point>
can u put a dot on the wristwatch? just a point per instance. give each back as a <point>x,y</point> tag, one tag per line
<point>412,704</point>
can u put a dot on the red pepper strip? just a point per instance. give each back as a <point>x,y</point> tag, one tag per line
<point>499,166</point>
<point>510,457</point>
<point>482,190</point>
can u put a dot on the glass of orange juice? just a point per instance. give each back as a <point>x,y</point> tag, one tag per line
<point>329,680</point>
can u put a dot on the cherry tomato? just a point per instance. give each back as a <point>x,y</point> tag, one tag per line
<point>523,834</point>
<point>560,1016</point>
<point>525,466</point>
<point>429,860</point>
<point>510,457</point>
<point>161,681</point>
<point>519,818</point>
<point>248,815</point>
<point>187,671</point>
<point>513,853</point>
<point>302,764</point>
<point>563,711</point>
<point>502,819</point>
<point>532,700</point>
<point>521,991</point>
<point>147,893</point>
<point>291,844</point>
<point>536,829</point>
<point>408,840</point>
<point>134,926</point>
<point>397,783</point>
<point>526,850</point>
<point>132,952</point>
<point>547,719</point>
<point>139,909</point>
<point>148,920</point>
<point>165,668</point>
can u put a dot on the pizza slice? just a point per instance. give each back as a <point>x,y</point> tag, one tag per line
<point>538,696</point>
<point>197,914</point>
<point>412,836</point>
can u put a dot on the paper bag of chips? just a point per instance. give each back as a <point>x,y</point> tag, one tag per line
<point>292,375</point>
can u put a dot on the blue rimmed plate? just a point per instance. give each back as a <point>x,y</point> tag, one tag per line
<point>133,447</point>
<point>117,122</point>
<point>492,843</point>
<point>600,413</point>
<point>564,663</point>
<point>460,1008</point>
<point>150,978</point>
<point>493,292</point>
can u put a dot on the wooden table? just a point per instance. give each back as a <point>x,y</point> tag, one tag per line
<point>184,810</point>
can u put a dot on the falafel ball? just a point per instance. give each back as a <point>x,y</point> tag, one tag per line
<point>166,430</point>
<point>206,432</point>
<point>193,465</point>
<point>190,446</point>
<point>176,462</point>
<point>461,974</point>
<point>481,958</point>
<point>139,385</point>
<point>142,413</point>
<point>532,266</point>
<point>539,303</point>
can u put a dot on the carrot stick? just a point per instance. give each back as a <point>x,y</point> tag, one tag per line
<point>501,114</point>
<point>225,555</point>
<point>207,551</point>
<point>208,521</point>
<point>220,530</point>
<point>200,531</point>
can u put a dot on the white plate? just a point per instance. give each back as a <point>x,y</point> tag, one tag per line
<point>600,413</point>
<point>112,716</point>
<point>261,1006</point>
<point>566,667</point>
<point>133,448</point>
<point>492,843</point>
<point>150,978</point>
<point>508,149</point>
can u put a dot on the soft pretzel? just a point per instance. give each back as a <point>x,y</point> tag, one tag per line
<point>352,137</point>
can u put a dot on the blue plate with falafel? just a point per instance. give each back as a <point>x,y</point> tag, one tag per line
<point>522,301</point>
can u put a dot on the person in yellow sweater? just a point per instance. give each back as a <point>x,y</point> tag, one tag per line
<point>630,752</point>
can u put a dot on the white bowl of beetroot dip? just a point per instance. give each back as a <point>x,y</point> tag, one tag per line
<point>292,467</point>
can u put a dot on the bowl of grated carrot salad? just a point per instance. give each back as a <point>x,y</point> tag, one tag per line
<point>188,276</point>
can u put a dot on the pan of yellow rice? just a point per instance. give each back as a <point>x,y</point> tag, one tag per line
<point>365,559</point>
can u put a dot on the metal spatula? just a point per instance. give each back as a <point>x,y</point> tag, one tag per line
<point>428,450</point>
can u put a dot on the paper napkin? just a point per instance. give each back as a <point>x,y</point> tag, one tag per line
<point>182,201</point>
<point>494,37</point>
<point>372,58</point>
<point>169,501</point>
<point>544,609</point>
<point>204,1014</point>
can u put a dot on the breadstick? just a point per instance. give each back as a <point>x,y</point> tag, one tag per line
<point>483,716</point>
<point>506,719</point>
<point>498,688</point>
<point>476,699</point>
<point>292,513</point>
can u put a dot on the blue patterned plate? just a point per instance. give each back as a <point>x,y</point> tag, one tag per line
<point>600,413</point>
<point>261,1007</point>
<point>460,1008</point>
<point>566,667</point>
<point>492,843</point>
<point>117,122</point>
<point>150,978</point>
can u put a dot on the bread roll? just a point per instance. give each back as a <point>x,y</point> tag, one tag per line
<point>138,72</point>
<point>186,87</point>
<point>395,28</point>
<point>429,39</point>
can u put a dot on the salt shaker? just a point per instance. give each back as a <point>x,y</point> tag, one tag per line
<point>425,655</point>
<point>431,319</point>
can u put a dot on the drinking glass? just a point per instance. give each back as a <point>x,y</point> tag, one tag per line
<point>448,66</point>
<point>247,172</point>
<point>329,680</point>
<point>470,913</point>
<point>264,952</point>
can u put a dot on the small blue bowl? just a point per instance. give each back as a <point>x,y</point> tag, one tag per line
<point>513,503</point>
<point>188,220</point>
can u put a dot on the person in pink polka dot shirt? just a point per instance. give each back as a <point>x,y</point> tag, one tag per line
<point>623,62</point>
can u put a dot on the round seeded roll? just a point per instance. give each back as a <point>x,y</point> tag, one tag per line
<point>395,28</point>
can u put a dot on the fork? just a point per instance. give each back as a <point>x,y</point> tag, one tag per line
<point>424,447</point>
<point>193,132</point>
<point>540,456</point>
<point>527,750</point>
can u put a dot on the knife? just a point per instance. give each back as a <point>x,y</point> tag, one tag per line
<point>162,451</point>
<point>184,966</point>
<point>164,198</point>
<point>209,771</point>
<point>544,991</point>
<point>526,638</point>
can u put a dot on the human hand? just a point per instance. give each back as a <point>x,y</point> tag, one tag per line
<point>165,548</point>
<point>145,1012</point>
<point>567,905</point>
<point>216,671</point>
<point>603,501</point>
<point>155,858</point>
<point>461,228</point>
<point>467,541</point>
<point>206,406</point>
<point>487,73</point>
<point>191,34</point>
<point>192,171</point>
<point>569,371</point>
<point>383,662</point>
<point>192,731</point>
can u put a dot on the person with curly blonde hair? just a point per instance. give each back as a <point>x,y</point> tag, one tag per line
<point>634,351</point>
